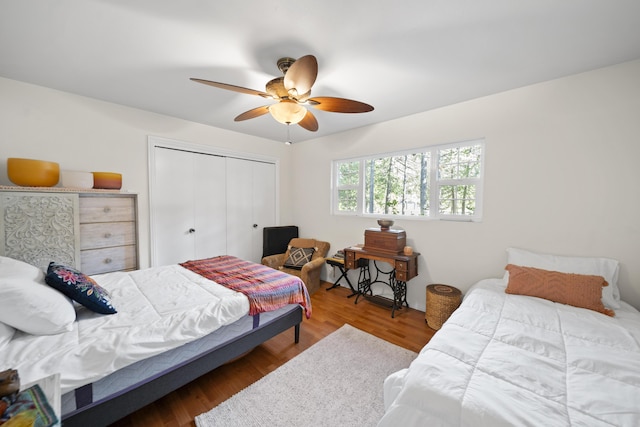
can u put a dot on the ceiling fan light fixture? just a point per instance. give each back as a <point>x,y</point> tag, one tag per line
<point>288,112</point>
<point>290,92</point>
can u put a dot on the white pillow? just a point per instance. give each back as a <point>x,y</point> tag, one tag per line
<point>605,267</point>
<point>28,304</point>
<point>6,333</point>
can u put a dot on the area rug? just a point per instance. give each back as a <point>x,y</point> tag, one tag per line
<point>336,382</point>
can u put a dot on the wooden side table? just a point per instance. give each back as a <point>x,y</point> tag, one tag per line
<point>442,301</point>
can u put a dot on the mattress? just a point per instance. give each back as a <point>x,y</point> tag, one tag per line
<point>156,366</point>
<point>504,360</point>
<point>159,309</point>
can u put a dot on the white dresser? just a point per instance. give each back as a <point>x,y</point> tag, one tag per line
<point>94,231</point>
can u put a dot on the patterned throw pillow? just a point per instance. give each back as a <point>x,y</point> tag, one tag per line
<point>80,288</point>
<point>298,257</point>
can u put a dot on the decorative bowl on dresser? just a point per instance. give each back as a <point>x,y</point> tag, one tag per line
<point>76,179</point>
<point>33,173</point>
<point>107,180</point>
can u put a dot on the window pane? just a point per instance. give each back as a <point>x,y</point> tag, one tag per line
<point>465,192</point>
<point>441,180</point>
<point>460,162</point>
<point>448,170</point>
<point>347,200</point>
<point>457,199</point>
<point>397,185</point>
<point>348,173</point>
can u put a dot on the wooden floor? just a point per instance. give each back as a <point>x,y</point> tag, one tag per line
<point>331,310</point>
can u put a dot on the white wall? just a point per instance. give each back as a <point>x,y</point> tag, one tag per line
<point>561,174</point>
<point>90,135</point>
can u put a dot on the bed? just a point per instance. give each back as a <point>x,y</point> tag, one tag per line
<point>507,358</point>
<point>159,328</point>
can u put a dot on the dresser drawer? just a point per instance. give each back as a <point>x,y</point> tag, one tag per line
<point>401,275</point>
<point>406,270</point>
<point>96,261</point>
<point>107,209</point>
<point>350,260</point>
<point>105,235</point>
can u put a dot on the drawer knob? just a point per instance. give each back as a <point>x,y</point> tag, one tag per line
<point>107,235</point>
<point>107,209</point>
<point>107,260</point>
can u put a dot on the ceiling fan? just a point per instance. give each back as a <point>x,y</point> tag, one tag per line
<point>293,93</point>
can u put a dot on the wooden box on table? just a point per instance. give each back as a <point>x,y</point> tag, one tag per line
<point>391,242</point>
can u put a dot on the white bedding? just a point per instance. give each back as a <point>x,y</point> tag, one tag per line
<point>158,309</point>
<point>506,360</point>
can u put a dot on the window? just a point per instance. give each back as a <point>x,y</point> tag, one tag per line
<point>443,182</point>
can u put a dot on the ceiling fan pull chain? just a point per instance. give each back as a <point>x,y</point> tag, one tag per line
<point>288,134</point>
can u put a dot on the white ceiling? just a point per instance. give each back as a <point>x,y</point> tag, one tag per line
<point>402,57</point>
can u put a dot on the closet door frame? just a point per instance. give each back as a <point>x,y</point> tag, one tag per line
<point>155,141</point>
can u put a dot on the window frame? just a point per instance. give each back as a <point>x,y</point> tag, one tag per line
<point>435,183</point>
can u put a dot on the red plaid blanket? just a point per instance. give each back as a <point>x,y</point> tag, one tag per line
<point>266,288</point>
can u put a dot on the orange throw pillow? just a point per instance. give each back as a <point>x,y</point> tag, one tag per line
<point>578,290</point>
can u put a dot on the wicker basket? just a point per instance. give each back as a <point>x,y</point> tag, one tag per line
<point>442,300</point>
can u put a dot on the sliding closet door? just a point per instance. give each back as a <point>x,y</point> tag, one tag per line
<point>251,206</point>
<point>187,205</point>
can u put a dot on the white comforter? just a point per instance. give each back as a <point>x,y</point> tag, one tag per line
<point>509,360</point>
<point>158,309</point>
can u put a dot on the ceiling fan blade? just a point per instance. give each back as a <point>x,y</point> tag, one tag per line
<point>309,122</point>
<point>301,75</point>
<point>339,105</point>
<point>232,87</point>
<point>253,113</point>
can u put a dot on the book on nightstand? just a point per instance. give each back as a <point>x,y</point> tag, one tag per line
<point>37,404</point>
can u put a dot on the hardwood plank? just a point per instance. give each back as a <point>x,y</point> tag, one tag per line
<point>331,310</point>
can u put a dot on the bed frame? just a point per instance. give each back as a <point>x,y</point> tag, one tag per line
<point>129,400</point>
